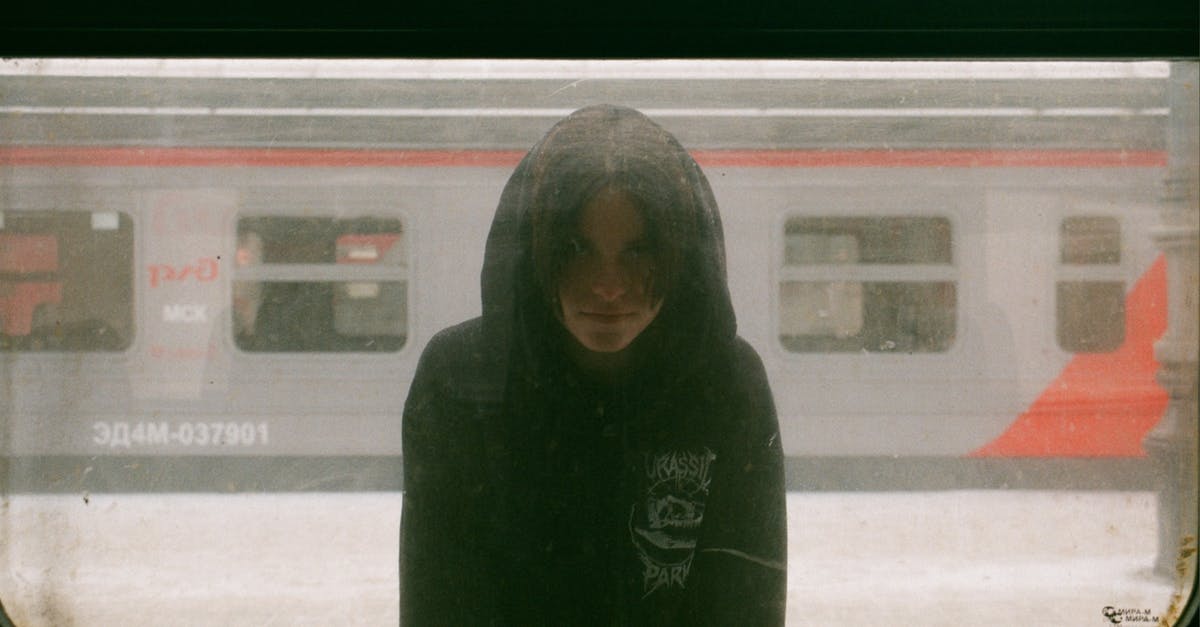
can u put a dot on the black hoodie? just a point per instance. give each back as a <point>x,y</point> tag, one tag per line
<point>536,495</point>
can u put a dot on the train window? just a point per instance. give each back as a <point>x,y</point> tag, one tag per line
<point>874,284</point>
<point>1091,307</point>
<point>1090,240</point>
<point>321,284</point>
<point>66,281</point>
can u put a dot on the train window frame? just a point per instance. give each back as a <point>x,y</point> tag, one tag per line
<point>897,208</point>
<point>1071,273</point>
<point>335,211</point>
<point>136,323</point>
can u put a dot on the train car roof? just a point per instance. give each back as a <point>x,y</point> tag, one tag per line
<point>509,104</point>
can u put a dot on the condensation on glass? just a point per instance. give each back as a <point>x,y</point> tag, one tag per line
<point>66,281</point>
<point>876,284</point>
<point>322,284</point>
<point>1090,305</point>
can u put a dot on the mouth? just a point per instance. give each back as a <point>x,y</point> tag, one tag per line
<point>604,317</point>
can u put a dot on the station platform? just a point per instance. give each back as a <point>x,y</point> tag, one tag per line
<point>942,558</point>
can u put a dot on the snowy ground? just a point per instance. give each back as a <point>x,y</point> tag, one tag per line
<point>935,558</point>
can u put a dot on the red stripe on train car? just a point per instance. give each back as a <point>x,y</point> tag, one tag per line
<point>1101,404</point>
<point>132,156</point>
<point>127,156</point>
<point>931,158</point>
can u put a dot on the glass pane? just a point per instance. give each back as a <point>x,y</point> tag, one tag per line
<point>1091,316</point>
<point>998,212</point>
<point>311,316</point>
<point>1091,240</point>
<point>852,316</point>
<point>811,248</point>
<point>66,281</point>
<point>884,240</point>
<point>871,317</point>
<point>284,239</point>
<point>826,308</point>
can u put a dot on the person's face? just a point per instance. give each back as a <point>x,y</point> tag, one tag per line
<point>605,305</point>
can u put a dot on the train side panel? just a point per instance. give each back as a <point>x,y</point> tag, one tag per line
<point>186,384</point>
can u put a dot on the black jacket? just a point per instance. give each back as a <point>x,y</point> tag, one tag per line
<point>537,496</point>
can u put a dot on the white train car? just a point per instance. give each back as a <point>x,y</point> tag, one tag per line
<point>237,264</point>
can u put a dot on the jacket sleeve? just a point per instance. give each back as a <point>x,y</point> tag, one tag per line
<point>739,570</point>
<point>442,577</point>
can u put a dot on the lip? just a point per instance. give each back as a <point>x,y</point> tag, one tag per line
<point>603,316</point>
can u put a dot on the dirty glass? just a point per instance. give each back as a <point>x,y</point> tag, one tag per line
<point>1090,313</point>
<point>1090,240</point>
<point>972,287</point>
<point>273,313</point>
<point>66,281</point>
<point>906,314</point>
<point>1091,316</point>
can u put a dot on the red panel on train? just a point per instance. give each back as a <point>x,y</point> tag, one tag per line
<point>1101,404</point>
<point>25,254</point>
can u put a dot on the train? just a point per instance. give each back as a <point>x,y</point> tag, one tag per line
<point>218,275</point>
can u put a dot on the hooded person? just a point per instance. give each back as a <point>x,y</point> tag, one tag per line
<point>599,447</point>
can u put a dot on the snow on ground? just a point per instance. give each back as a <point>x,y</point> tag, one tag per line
<point>902,558</point>
<point>971,558</point>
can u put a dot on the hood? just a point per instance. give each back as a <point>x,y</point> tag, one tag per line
<point>618,143</point>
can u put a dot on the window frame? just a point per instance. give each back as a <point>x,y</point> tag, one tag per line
<point>321,273</point>
<point>864,273</point>
<point>1088,273</point>
<point>130,215</point>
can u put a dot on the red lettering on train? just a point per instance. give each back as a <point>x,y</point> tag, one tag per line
<point>205,270</point>
<point>1101,404</point>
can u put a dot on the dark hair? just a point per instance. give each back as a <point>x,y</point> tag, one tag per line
<point>598,149</point>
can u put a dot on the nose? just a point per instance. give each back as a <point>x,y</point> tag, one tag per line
<point>609,283</point>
